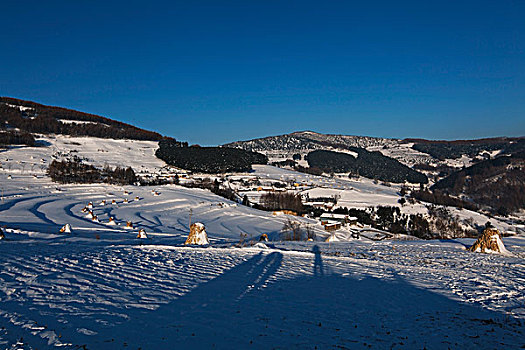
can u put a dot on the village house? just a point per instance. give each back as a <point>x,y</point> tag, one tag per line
<point>340,218</point>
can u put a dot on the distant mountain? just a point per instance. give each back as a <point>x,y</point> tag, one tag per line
<point>31,117</point>
<point>408,151</point>
<point>309,140</point>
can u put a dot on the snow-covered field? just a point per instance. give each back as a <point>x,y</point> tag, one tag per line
<point>102,288</point>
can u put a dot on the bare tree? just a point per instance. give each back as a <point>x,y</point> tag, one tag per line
<point>292,231</point>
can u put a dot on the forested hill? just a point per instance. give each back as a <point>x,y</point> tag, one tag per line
<point>373,165</point>
<point>497,183</point>
<point>32,117</point>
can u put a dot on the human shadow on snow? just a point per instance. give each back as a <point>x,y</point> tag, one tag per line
<point>243,308</point>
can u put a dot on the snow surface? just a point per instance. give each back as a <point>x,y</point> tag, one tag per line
<point>102,288</point>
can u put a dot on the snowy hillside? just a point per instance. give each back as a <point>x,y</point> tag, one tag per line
<point>101,287</point>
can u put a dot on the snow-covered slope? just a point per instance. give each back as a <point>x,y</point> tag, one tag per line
<point>100,287</point>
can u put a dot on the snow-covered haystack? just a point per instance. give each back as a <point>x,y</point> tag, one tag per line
<point>90,205</point>
<point>197,235</point>
<point>126,200</point>
<point>137,198</point>
<point>489,242</point>
<point>129,225</point>
<point>111,221</point>
<point>2,234</point>
<point>113,202</point>
<point>90,214</point>
<point>142,234</point>
<point>66,228</point>
<point>103,202</point>
<point>332,238</point>
<point>263,238</point>
<point>94,218</point>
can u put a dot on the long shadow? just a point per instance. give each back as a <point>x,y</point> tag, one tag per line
<point>451,240</point>
<point>239,310</point>
<point>318,261</point>
<point>222,295</point>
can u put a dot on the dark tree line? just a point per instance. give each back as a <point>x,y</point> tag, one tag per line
<point>442,198</point>
<point>281,201</point>
<point>208,159</point>
<point>74,171</point>
<point>373,165</point>
<point>390,219</point>
<point>16,138</point>
<point>46,120</point>
<point>455,149</point>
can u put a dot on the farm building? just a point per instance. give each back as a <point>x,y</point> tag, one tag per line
<point>341,218</point>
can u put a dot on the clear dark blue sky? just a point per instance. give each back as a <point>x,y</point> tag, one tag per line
<point>219,71</point>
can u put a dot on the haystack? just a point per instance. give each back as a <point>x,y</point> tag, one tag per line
<point>332,238</point>
<point>263,238</point>
<point>90,205</point>
<point>66,228</point>
<point>2,235</point>
<point>113,202</point>
<point>489,242</point>
<point>197,235</point>
<point>129,225</point>
<point>142,234</point>
<point>111,221</point>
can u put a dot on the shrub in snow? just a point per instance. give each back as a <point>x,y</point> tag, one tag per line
<point>66,228</point>
<point>197,235</point>
<point>2,235</point>
<point>489,242</point>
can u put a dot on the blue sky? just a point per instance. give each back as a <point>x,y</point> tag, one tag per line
<point>214,72</point>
